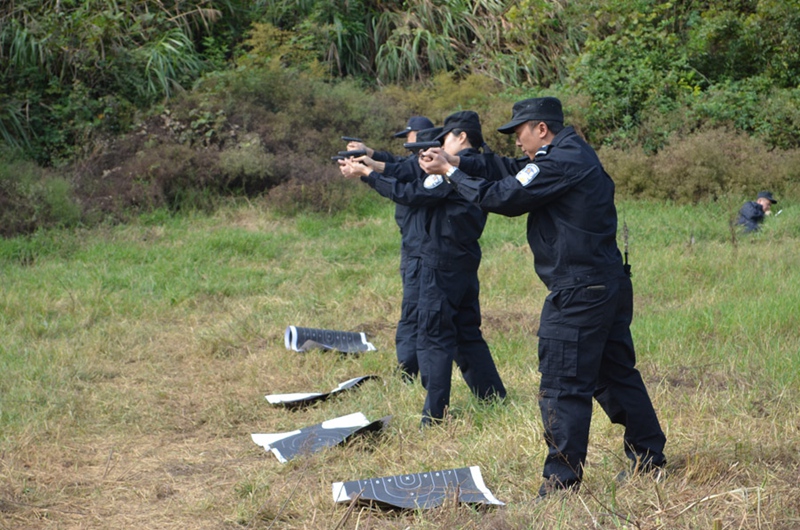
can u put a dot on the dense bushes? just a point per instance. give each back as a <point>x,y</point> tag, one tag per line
<point>75,70</point>
<point>71,70</point>
<point>705,165</point>
<point>138,105</point>
<point>33,197</point>
<point>241,132</point>
<point>719,65</point>
<point>229,137</point>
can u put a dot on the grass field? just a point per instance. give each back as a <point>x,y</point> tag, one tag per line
<point>135,360</point>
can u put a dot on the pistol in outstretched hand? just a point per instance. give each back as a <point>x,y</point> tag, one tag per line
<point>348,154</point>
<point>417,147</point>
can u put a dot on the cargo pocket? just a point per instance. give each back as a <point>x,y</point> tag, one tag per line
<point>558,350</point>
<point>430,318</point>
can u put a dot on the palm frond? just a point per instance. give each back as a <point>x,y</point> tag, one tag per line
<point>14,129</point>
<point>21,49</point>
<point>167,59</point>
<point>196,17</point>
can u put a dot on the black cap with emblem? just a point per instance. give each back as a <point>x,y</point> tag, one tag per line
<point>466,120</point>
<point>415,123</point>
<point>533,109</point>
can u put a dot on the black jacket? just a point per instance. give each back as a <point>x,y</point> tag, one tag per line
<point>750,215</point>
<point>569,199</point>
<point>409,219</point>
<point>451,225</point>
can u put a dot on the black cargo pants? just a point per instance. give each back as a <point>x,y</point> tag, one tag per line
<point>586,350</point>
<point>450,330</point>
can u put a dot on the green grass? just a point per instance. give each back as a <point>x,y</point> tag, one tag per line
<point>135,359</point>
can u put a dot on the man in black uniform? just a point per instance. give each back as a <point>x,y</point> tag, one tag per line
<point>407,220</point>
<point>753,213</point>
<point>449,309</point>
<point>585,344</point>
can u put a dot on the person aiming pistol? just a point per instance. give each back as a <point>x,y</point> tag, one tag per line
<point>585,344</point>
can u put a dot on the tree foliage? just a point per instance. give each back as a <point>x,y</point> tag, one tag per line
<point>646,58</point>
<point>633,72</point>
<point>72,67</point>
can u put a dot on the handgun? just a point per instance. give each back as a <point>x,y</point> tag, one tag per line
<point>352,139</point>
<point>348,154</point>
<point>416,147</point>
<point>337,157</point>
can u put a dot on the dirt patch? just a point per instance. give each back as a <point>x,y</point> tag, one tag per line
<point>696,376</point>
<point>503,322</point>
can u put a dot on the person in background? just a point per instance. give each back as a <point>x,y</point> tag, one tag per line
<point>585,345</point>
<point>407,220</point>
<point>409,134</point>
<point>449,309</point>
<point>753,213</point>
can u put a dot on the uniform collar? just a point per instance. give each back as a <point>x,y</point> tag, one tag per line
<point>566,131</point>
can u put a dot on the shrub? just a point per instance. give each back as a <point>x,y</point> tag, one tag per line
<point>705,165</point>
<point>32,197</point>
<point>631,171</point>
<point>753,105</point>
<point>84,67</point>
<point>246,167</point>
<point>324,192</point>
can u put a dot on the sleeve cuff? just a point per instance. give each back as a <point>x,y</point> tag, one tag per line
<point>370,179</point>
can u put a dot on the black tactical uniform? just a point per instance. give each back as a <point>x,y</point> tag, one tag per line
<point>752,214</point>
<point>449,309</point>
<point>409,219</point>
<point>585,344</point>
<point>406,168</point>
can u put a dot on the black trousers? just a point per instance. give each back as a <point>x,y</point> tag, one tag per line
<point>585,351</point>
<point>450,330</point>
<point>406,335</point>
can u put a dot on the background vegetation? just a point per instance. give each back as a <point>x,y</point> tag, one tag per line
<point>136,357</point>
<point>109,108</point>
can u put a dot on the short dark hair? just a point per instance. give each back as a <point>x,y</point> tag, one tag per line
<point>475,137</point>
<point>555,126</point>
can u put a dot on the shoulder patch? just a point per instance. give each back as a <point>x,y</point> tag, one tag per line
<point>432,181</point>
<point>526,176</point>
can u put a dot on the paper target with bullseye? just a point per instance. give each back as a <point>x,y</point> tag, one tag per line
<point>418,490</point>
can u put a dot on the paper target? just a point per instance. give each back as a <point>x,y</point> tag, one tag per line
<point>418,490</point>
<point>301,399</point>
<point>302,339</point>
<point>288,445</point>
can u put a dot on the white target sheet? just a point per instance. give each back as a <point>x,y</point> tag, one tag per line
<point>423,490</point>
<point>301,399</point>
<point>303,339</point>
<point>288,445</point>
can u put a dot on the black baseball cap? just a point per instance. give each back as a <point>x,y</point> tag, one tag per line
<point>415,123</point>
<point>428,135</point>
<point>467,120</point>
<point>534,109</point>
<point>767,195</point>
